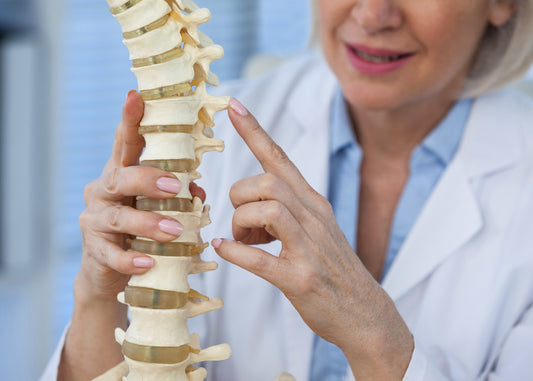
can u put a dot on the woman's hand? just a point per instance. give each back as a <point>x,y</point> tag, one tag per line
<point>107,223</point>
<point>317,269</point>
<point>110,219</point>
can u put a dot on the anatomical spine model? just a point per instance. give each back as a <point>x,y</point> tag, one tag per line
<point>171,61</point>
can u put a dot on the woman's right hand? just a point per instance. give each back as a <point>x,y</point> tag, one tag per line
<point>110,219</point>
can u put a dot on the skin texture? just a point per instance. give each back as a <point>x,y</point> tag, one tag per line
<point>330,285</point>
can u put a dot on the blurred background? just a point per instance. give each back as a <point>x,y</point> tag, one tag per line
<point>64,74</point>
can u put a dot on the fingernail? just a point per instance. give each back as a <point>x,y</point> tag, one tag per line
<point>130,93</point>
<point>171,227</point>
<point>237,106</point>
<point>168,184</point>
<point>143,262</point>
<point>216,243</point>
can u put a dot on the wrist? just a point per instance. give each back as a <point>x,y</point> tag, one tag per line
<point>95,284</point>
<point>383,360</point>
<point>91,304</point>
<point>91,335</point>
<point>384,350</point>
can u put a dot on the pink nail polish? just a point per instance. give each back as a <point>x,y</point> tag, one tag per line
<point>171,227</point>
<point>143,262</point>
<point>216,243</point>
<point>168,184</point>
<point>237,106</point>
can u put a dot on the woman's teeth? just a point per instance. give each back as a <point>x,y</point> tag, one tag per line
<point>377,59</point>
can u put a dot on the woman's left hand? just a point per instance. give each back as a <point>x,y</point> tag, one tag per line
<point>317,269</point>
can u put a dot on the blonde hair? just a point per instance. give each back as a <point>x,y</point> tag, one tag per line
<point>504,55</point>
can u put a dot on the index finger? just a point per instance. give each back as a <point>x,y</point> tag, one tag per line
<point>270,155</point>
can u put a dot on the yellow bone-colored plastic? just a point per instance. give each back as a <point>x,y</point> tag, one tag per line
<point>124,7</point>
<point>187,129</point>
<point>173,165</point>
<point>173,204</point>
<point>180,89</point>
<point>154,299</point>
<point>160,299</point>
<point>157,355</point>
<point>159,59</point>
<point>145,29</point>
<point>167,249</point>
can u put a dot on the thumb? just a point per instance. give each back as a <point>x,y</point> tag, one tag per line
<point>128,144</point>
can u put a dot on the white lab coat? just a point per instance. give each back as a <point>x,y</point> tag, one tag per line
<point>463,279</point>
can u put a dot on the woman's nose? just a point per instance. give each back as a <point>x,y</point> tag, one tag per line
<point>375,16</point>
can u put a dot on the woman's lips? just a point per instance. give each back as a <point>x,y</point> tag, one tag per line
<point>373,61</point>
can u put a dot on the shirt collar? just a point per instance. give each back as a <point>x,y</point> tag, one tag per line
<point>442,142</point>
<point>342,134</point>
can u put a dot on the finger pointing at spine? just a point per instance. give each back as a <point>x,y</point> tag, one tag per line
<point>271,156</point>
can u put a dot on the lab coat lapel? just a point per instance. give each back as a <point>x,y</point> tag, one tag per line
<point>450,219</point>
<point>452,215</point>
<point>309,151</point>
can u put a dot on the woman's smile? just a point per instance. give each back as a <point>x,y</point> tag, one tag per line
<point>390,54</point>
<point>373,61</point>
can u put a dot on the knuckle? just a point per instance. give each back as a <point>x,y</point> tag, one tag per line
<point>269,184</point>
<point>101,256</point>
<point>273,210</point>
<point>88,192</point>
<point>323,205</point>
<point>238,217</point>
<point>113,261</point>
<point>234,193</point>
<point>258,263</point>
<point>114,258</point>
<point>306,281</point>
<point>114,219</point>
<point>110,259</point>
<point>111,181</point>
<point>276,152</point>
<point>83,220</point>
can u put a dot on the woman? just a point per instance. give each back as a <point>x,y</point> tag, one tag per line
<point>417,265</point>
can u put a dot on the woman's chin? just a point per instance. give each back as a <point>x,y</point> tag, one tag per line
<point>374,100</point>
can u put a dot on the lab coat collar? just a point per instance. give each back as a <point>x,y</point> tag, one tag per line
<point>493,119</point>
<point>452,215</point>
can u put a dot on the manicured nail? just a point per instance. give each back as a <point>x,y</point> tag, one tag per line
<point>216,243</point>
<point>171,227</point>
<point>238,107</point>
<point>168,184</point>
<point>143,262</point>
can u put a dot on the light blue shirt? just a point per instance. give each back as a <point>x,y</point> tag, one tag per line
<point>428,162</point>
